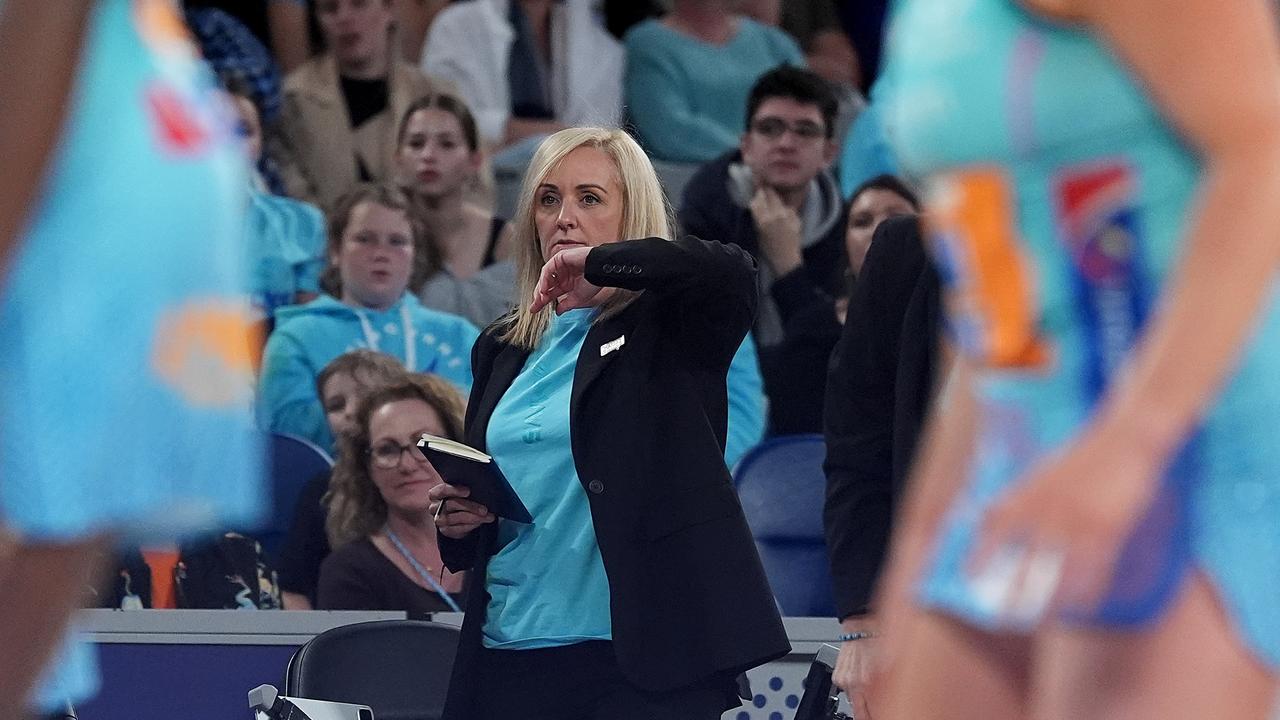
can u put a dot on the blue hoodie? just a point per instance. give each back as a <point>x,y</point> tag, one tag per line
<point>308,337</point>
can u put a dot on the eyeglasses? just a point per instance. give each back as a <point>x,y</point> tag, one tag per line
<point>386,455</point>
<point>773,128</point>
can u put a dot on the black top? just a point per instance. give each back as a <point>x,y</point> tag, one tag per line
<point>878,390</point>
<point>364,98</point>
<point>688,596</point>
<point>496,226</point>
<point>795,370</point>
<point>306,545</point>
<point>357,576</point>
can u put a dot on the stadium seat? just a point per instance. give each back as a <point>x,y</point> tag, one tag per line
<point>294,461</point>
<point>399,668</point>
<point>781,486</point>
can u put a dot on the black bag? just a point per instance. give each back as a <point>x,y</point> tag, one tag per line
<point>228,572</point>
<point>129,588</point>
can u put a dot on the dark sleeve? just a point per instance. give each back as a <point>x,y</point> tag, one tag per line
<point>795,294</point>
<point>858,417</point>
<point>347,583</point>
<point>306,545</point>
<point>711,285</point>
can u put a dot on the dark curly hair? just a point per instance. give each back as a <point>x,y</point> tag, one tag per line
<point>356,507</point>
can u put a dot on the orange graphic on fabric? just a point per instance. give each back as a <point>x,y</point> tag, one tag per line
<point>972,213</point>
<point>207,352</point>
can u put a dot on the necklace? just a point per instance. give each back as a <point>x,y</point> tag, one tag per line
<point>420,570</point>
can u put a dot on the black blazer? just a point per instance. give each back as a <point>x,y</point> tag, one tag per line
<point>688,597</point>
<point>878,389</point>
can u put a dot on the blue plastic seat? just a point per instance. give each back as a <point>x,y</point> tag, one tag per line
<point>293,462</point>
<point>782,488</point>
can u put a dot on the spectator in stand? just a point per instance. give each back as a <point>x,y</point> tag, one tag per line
<point>527,67</point>
<point>285,239</point>
<point>795,370</point>
<point>232,49</point>
<point>342,384</point>
<point>338,124</point>
<point>438,157</point>
<point>368,304</point>
<point>295,37</point>
<point>881,383</point>
<point>689,73</point>
<point>385,552</point>
<point>815,25</point>
<point>775,196</point>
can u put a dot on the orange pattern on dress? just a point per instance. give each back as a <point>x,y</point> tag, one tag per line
<point>991,292</point>
<point>208,352</point>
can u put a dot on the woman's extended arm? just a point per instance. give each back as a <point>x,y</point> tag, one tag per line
<point>40,43</point>
<point>713,284</point>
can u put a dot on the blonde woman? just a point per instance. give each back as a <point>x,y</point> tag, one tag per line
<point>636,591</point>
<point>386,556</point>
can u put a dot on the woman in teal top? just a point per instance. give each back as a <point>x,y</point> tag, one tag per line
<point>1102,206</point>
<point>688,75</point>
<point>126,373</point>
<point>636,591</point>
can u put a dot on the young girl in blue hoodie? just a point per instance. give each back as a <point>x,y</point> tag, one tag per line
<point>374,255</point>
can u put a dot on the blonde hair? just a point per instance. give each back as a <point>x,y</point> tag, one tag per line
<point>356,507</point>
<point>645,213</point>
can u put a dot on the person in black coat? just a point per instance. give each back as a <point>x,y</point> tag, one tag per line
<point>775,196</point>
<point>637,591</point>
<point>795,370</point>
<point>879,387</point>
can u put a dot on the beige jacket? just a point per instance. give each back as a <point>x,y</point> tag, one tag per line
<point>315,145</point>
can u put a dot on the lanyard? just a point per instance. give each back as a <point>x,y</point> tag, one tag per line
<point>406,329</point>
<point>422,572</point>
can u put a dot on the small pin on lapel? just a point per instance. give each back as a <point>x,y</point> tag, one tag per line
<point>612,345</point>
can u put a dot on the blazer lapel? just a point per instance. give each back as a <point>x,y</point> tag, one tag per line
<point>605,341</point>
<point>505,368</point>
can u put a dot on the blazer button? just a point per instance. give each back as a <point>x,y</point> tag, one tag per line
<point>595,486</point>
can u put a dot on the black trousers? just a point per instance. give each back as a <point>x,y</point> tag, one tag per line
<point>583,682</point>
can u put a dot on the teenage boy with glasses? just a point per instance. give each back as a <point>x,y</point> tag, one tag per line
<point>776,197</point>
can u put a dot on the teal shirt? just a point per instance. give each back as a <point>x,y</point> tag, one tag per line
<point>546,583</point>
<point>285,244</point>
<point>687,99</point>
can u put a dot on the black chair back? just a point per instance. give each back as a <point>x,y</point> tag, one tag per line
<point>400,668</point>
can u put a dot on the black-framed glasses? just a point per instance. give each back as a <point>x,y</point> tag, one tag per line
<point>387,454</point>
<point>773,128</point>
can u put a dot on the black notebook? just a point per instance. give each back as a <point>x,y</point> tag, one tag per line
<point>460,464</point>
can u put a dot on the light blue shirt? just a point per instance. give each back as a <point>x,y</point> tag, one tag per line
<point>687,98</point>
<point>285,244</point>
<point>308,337</point>
<point>546,583</point>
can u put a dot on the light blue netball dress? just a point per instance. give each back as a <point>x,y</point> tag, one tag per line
<point>126,367</point>
<point>1059,200</point>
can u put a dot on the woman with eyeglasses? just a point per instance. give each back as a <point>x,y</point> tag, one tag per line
<point>375,258</point>
<point>1093,524</point>
<point>386,556</point>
